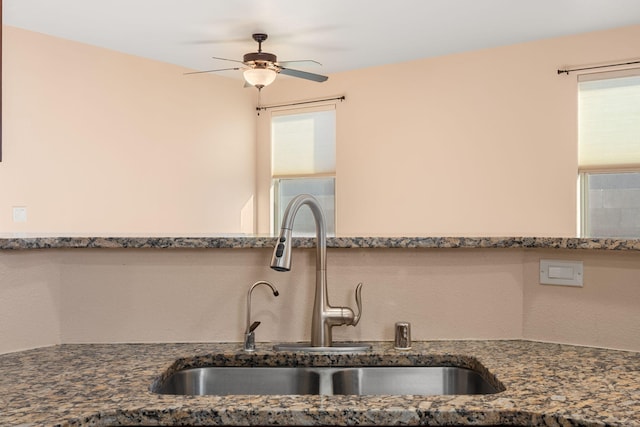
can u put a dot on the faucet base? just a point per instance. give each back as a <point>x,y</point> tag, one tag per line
<point>337,347</point>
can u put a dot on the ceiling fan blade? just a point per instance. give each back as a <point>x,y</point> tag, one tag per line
<point>303,74</point>
<point>226,59</point>
<point>299,61</point>
<point>213,71</point>
<point>217,41</point>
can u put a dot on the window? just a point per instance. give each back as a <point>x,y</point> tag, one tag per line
<point>303,160</point>
<point>609,154</point>
<point>612,204</point>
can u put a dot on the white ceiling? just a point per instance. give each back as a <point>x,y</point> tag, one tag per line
<point>341,34</point>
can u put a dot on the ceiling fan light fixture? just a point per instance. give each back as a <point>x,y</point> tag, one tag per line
<point>259,77</point>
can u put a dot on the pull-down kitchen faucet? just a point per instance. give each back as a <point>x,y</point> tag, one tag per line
<point>324,316</point>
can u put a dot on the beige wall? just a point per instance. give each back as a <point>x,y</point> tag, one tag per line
<point>30,306</point>
<point>150,296</point>
<point>102,295</point>
<point>478,143</point>
<point>487,139</point>
<point>98,141</point>
<point>603,313</point>
<point>200,295</point>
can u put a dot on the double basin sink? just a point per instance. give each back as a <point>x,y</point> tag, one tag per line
<point>368,380</point>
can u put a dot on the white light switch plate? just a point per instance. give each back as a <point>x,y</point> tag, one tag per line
<point>19,214</point>
<point>564,273</point>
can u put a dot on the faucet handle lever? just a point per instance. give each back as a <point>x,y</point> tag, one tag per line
<point>253,326</point>
<point>356,317</point>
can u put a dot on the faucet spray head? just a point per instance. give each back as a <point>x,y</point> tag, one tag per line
<point>281,258</point>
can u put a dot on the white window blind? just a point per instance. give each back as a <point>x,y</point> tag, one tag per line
<point>304,161</point>
<point>303,144</point>
<point>609,120</point>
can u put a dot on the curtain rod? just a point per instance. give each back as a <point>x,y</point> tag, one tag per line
<point>570,70</point>
<point>339,98</point>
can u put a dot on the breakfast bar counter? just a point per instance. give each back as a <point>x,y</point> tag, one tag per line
<point>12,242</point>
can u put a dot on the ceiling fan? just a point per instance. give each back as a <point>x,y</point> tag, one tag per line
<point>261,68</point>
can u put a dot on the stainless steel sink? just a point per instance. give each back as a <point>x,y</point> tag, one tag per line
<point>410,380</point>
<point>373,380</point>
<point>232,380</point>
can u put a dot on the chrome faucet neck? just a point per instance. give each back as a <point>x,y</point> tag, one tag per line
<point>323,316</point>
<point>286,229</point>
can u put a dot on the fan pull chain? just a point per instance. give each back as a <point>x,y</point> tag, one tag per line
<point>258,107</point>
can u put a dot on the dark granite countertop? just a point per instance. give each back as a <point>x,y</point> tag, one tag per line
<point>8,242</point>
<point>109,385</point>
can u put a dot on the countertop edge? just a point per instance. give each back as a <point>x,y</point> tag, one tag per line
<point>254,242</point>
